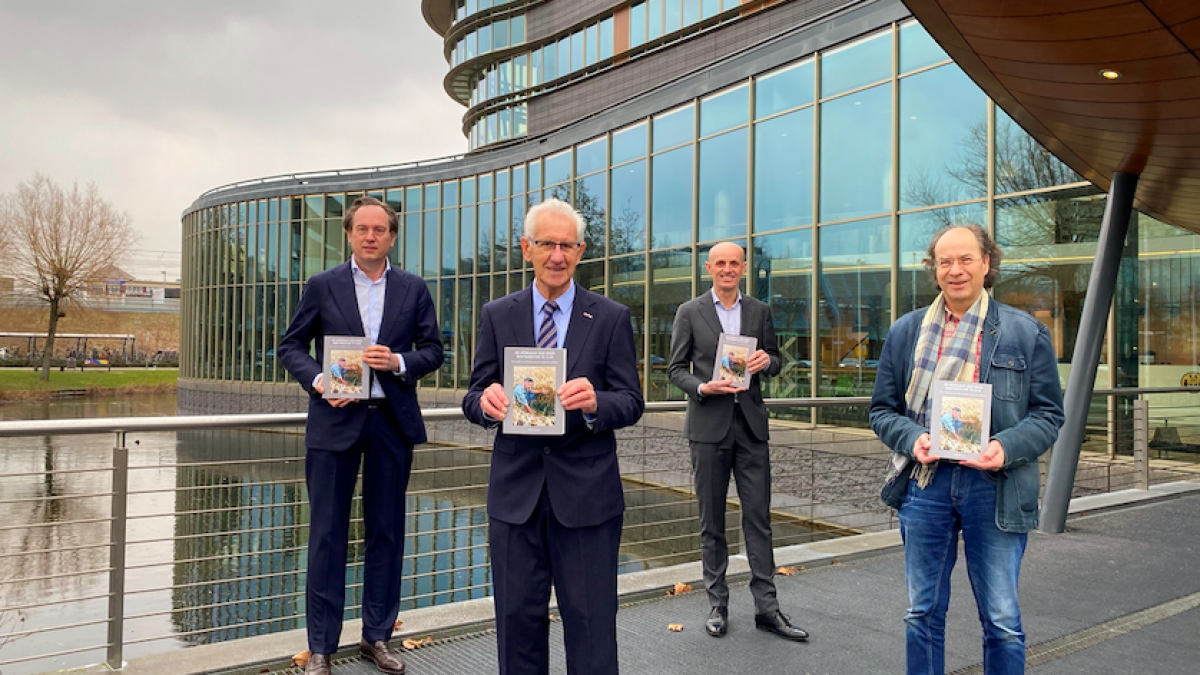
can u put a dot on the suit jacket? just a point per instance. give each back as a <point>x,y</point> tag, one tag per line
<point>693,357</point>
<point>579,469</point>
<point>329,306</point>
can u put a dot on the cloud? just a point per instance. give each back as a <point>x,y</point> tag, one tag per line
<point>158,102</point>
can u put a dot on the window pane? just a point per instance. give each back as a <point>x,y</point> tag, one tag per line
<point>670,287</point>
<point>486,237</point>
<point>535,68</point>
<point>675,127</point>
<point>591,157</point>
<point>691,12</point>
<point>429,242</point>
<point>671,210</point>
<point>784,89</point>
<point>502,183</point>
<point>1048,244</point>
<point>856,65</point>
<point>591,195</point>
<point>577,50</point>
<point>674,19</point>
<point>449,242</point>
<point>501,248</point>
<point>558,168</point>
<point>855,306</point>
<point>783,280</point>
<point>548,63</point>
<point>725,110</point>
<point>592,44</point>
<point>412,243</point>
<point>517,29</point>
<point>450,193</point>
<point>629,208</point>
<point>856,154</point>
<point>505,124</point>
<point>433,194</point>
<point>710,8</point>
<point>464,347</point>
<point>629,288</point>
<point>654,25</point>
<point>520,77</point>
<point>1022,163</point>
<point>518,179</point>
<point>564,56</point>
<point>637,24</point>
<point>468,191</point>
<point>783,171</point>
<point>723,176</point>
<point>630,143</point>
<point>916,285</point>
<point>500,34</point>
<point>334,237</point>
<point>943,138</point>
<point>917,49</point>
<point>466,258</point>
<point>446,317</point>
<point>606,38</point>
<point>485,39</point>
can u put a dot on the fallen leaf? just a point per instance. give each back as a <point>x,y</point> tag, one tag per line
<point>396,626</point>
<point>411,644</point>
<point>679,589</point>
<point>787,571</point>
<point>836,562</point>
<point>300,659</point>
<point>675,627</point>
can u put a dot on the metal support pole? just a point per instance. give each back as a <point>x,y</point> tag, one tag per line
<point>116,555</point>
<point>1088,346</point>
<point>1141,443</point>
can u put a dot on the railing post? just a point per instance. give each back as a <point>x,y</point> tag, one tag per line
<point>1141,443</point>
<point>116,555</point>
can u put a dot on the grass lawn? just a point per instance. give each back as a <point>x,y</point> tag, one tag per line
<point>26,380</point>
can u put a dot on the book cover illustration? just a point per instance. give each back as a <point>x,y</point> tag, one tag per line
<point>345,376</point>
<point>532,377</point>
<point>733,353</point>
<point>960,419</point>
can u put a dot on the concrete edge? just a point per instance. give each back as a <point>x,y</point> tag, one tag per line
<point>249,655</point>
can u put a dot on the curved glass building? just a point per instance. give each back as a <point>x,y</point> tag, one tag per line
<point>831,138</point>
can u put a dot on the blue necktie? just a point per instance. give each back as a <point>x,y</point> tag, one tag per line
<point>548,335</point>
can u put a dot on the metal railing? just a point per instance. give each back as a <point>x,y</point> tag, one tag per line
<point>200,537</point>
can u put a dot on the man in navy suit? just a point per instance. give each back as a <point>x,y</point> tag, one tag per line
<point>555,503</point>
<point>368,297</point>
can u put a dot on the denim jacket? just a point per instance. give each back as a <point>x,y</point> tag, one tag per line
<point>1018,361</point>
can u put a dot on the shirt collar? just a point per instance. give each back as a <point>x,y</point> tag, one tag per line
<point>355,269</point>
<point>564,301</point>
<point>717,301</point>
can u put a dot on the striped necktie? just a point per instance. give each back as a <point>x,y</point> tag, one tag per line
<point>548,335</point>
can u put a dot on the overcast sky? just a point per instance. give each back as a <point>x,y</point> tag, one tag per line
<point>157,101</point>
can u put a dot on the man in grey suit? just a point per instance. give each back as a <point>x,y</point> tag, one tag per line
<point>727,429</point>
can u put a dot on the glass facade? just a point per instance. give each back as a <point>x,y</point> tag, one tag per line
<point>832,170</point>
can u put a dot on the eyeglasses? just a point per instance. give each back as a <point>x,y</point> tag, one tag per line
<point>547,246</point>
<point>965,261</point>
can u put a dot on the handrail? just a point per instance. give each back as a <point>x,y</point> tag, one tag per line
<point>193,422</point>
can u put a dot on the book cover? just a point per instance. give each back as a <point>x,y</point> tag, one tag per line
<point>532,377</point>
<point>345,376</point>
<point>960,419</point>
<point>733,353</point>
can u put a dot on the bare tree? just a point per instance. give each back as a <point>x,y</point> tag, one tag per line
<point>61,241</point>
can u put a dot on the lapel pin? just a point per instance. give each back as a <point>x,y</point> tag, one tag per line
<point>587,314</point>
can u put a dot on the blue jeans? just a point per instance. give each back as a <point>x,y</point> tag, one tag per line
<point>960,499</point>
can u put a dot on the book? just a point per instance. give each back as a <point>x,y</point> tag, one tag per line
<point>345,376</point>
<point>733,353</point>
<point>532,377</point>
<point>960,419</point>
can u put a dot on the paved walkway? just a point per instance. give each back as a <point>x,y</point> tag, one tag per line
<point>1119,592</point>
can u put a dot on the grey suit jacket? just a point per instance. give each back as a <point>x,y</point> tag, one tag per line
<point>693,355</point>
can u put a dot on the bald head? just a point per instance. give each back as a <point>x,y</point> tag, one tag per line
<point>726,249</point>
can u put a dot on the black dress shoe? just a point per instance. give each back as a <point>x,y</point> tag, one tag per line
<point>780,625</point>
<point>383,656</point>
<point>718,622</point>
<point>318,664</point>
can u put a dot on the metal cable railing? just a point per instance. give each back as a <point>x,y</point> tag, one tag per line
<point>197,532</point>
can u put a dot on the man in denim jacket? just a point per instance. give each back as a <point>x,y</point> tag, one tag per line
<point>965,335</point>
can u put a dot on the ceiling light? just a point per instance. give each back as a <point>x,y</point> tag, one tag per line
<point>1110,74</point>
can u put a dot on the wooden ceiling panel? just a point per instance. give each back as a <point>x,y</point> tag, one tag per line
<point>1024,8</point>
<point>1094,24</point>
<point>1175,66</point>
<point>1174,12</point>
<point>1040,61</point>
<point>1147,45</point>
<point>1104,91</point>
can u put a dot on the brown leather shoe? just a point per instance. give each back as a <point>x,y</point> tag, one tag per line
<point>318,664</point>
<point>383,656</point>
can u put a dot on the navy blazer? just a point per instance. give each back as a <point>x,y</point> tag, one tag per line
<point>579,468</point>
<point>329,306</point>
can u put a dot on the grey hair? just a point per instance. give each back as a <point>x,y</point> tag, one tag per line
<point>554,206</point>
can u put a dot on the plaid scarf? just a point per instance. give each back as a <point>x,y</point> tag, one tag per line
<point>956,362</point>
